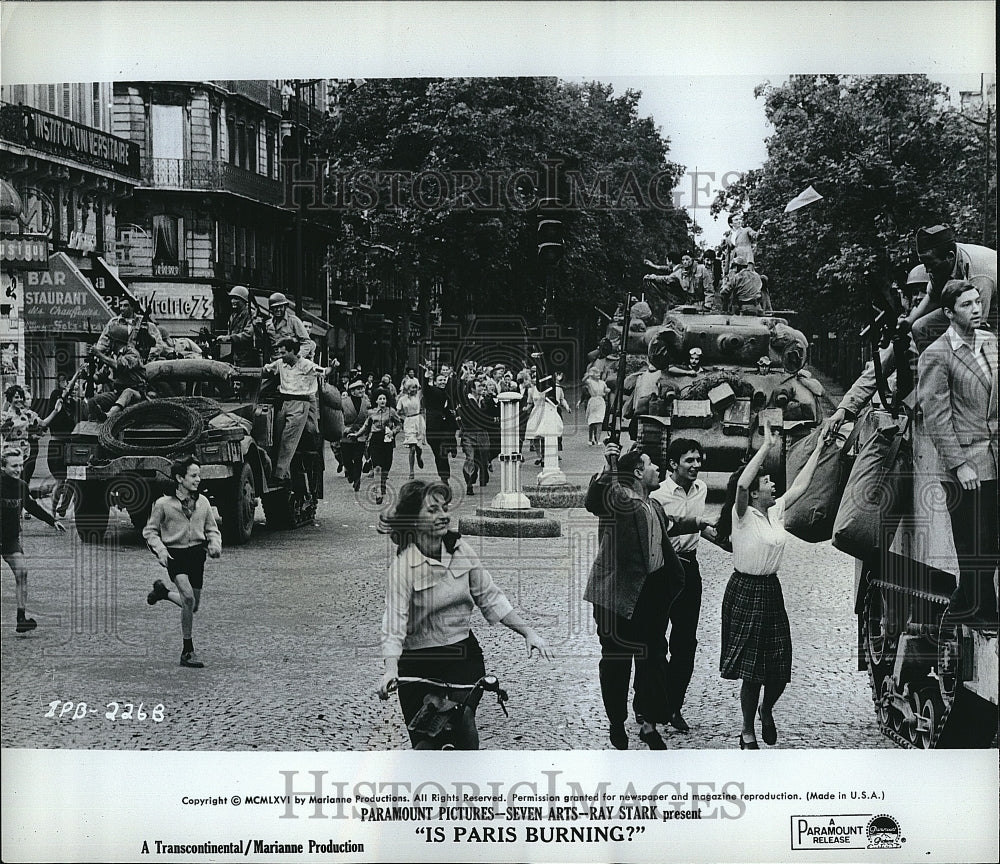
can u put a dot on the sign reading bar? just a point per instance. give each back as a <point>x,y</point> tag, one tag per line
<point>60,299</point>
<point>25,252</point>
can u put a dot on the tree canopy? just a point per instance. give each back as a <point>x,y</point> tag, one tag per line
<point>436,180</point>
<point>889,154</point>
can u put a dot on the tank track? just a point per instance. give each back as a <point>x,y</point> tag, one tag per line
<point>917,713</point>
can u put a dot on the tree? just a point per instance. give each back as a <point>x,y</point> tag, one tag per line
<point>438,178</point>
<point>889,155</point>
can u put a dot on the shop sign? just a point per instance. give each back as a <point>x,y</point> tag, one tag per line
<point>177,302</point>
<point>24,252</point>
<point>61,299</point>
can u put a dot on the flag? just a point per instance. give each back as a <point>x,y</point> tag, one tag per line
<point>802,199</point>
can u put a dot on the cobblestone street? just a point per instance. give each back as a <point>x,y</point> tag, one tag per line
<point>289,631</point>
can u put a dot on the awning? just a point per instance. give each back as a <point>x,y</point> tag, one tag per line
<point>119,288</point>
<point>61,301</point>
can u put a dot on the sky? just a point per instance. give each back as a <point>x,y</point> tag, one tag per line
<point>715,125</point>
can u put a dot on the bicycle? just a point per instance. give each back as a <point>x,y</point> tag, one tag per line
<point>445,721</point>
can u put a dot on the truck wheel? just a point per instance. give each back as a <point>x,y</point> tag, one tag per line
<point>91,515</point>
<point>278,509</point>
<point>238,507</point>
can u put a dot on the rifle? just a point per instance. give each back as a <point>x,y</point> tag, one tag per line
<point>615,432</point>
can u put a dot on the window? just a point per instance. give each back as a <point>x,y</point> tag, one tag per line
<point>252,248</point>
<point>231,134</point>
<point>252,147</point>
<point>241,140</point>
<point>270,154</point>
<point>215,135</point>
<point>231,245</point>
<point>97,106</point>
<point>168,244</point>
<point>67,107</point>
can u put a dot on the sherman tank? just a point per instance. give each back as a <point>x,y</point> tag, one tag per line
<point>933,683</point>
<point>715,377</point>
<point>223,415</point>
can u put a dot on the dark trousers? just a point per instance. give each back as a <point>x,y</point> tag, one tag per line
<point>974,527</point>
<point>683,637</point>
<point>441,446</point>
<point>476,448</point>
<point>352,453</point>
<point>639,639</point>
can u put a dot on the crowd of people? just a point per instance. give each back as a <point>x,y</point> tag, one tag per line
<point>448,411</point>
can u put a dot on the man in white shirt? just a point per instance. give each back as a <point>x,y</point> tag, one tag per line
<point>683,495</point>
<point>299,389</point>
<point>957,391</point>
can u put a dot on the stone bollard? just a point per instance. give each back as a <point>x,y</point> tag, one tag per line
<point>551,474</point>
<point>510,496</point>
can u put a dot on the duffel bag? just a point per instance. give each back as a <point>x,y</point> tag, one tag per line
<point>812,516</point>
<point>331,413</point>
<point>878,492</point>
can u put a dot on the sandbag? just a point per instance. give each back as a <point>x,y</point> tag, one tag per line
<point>192,369</point>
<point>879,491</point>
<point>812,516</point>
<point>331,413</point>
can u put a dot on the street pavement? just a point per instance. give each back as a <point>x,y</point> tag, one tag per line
<point>288,629</point>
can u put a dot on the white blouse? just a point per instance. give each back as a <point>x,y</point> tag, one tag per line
<point>759,540</point>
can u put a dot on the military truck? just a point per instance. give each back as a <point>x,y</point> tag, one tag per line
<point>223,415</point>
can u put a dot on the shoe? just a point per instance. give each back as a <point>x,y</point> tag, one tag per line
<point>420,459</point>
<point>652,739</point>
<point>469,490</point>
<point>678,722</point>
<point>411,475</point>
<point>538,461</point>
<point>190,659</point>
<point>25,625</point>
<point>378,499</point>
<point>618,736</point>
<point>748,745</point>
<point>357,485</point>
<point>768,731</point>
<point>158,593</point>
<point>27,516</point>
<point>340,469</point>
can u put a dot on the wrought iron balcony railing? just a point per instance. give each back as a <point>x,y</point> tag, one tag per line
<point>212,175</point>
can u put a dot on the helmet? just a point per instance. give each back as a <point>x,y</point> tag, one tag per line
<point>241,293</point>
<point>918,275</point>
<point>277,299</point>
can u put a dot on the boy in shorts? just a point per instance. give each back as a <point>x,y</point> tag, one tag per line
<point>180,532</point>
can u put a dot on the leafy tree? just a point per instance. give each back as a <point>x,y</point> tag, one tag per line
<point>474,155</point>
<point>889,154</point>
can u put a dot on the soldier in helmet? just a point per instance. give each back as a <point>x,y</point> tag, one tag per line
<point>241,329</point>
<point>122,334</point>
<point>285,324</point>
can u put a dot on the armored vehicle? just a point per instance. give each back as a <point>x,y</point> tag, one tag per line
<point>933,683</point>
<point>717,378</point>
<point>221,414</point>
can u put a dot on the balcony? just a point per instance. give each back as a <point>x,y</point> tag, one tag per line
<point>262,92</point>
<point>301,113</point>
<point>210,175</point>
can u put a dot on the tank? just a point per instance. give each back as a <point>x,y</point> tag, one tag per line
<point>714,377</point>
<point>933,684</point>
<point>223,415</point>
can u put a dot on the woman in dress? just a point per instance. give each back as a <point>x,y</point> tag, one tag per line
<point>379,430</point>
<point>544,420</point>
<point>597,406</point>
<point>434,583</point>
<point>22,427</point>
<point>410,408</point>
<point>756,639</point>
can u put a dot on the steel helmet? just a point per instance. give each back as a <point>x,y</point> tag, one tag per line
<point>240,292</point>
<point>918,275</point>
<point>277,299</point>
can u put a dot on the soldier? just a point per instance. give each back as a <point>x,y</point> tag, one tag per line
<point>946,259</point>
<point>742,289</point>
<point>241,333</point>
<point>283,324</point>
<point>125,331</point>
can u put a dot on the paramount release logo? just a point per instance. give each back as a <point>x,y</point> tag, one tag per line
<point>833,831</point>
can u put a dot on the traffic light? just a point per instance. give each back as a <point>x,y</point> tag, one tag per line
<point>550,232</point>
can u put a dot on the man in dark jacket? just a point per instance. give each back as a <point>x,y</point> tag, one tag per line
<point>633,581</point>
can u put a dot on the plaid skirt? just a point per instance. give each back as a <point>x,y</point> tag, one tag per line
<point>756,639</point>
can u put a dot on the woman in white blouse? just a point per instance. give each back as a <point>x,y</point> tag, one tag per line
<point>434,583</point>
<point>756,639</point>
